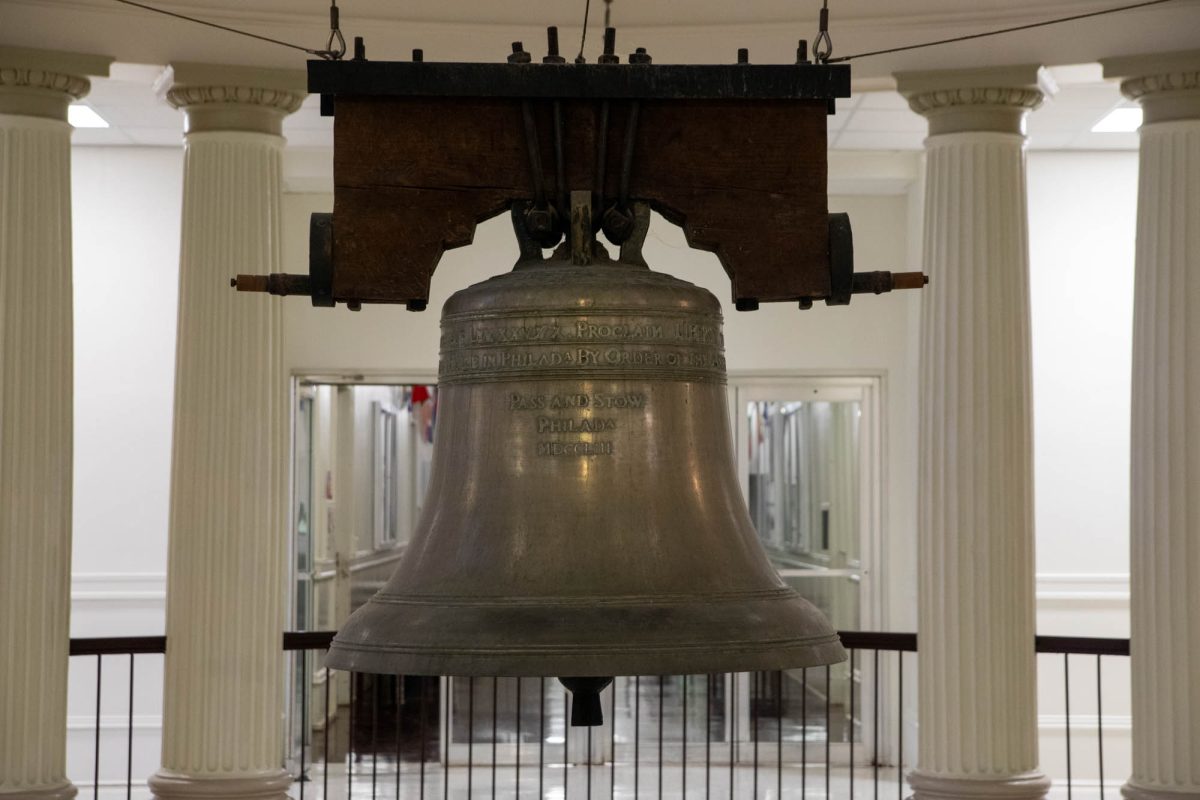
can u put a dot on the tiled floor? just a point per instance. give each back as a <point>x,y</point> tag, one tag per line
<point>597,783</point>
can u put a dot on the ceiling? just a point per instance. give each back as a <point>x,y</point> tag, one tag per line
<point>681,31</point>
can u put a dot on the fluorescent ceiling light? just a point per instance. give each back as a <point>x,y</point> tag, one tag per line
<point>81,116</point>
<point>1119,120</point>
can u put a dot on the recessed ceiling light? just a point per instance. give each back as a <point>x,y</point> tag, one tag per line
<point>81,116</point>
<point>1119,120</point>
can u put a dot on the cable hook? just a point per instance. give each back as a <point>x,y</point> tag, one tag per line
<point>335,35</point>
<point>823,45</point>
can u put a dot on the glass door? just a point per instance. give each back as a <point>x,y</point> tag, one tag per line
<point>808,456</point>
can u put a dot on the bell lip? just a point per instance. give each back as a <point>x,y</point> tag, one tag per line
<point>757,628</point>
<point>813,651</point>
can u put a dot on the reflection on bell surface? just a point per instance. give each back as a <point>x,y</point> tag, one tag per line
<point>583,516</point>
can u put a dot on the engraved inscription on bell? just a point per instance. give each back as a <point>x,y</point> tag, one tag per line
<point>500,346</point>
<point>541,402</point>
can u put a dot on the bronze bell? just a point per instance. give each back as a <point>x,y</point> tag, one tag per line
<point>583,516</point>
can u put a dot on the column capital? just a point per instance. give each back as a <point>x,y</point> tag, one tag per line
<point>985,99</point>
<point>1167,85</point>
<point>218,97</point>
<point>42,83</point>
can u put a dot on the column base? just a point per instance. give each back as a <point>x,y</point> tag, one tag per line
<point>1025,786</point>
<point>62,791</point>
<point>1132,791</point>
<point>272,785</point>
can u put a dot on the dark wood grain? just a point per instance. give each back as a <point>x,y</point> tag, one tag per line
<point>414,175</point>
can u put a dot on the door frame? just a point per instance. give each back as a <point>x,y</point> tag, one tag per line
<point>867,387</point>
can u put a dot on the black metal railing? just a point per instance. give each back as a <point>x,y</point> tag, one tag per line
<point>840,731</point>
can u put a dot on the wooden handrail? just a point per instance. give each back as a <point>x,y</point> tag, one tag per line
<point>855,640</point>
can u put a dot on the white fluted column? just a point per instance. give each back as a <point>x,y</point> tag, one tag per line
<point>226,588</point>
<point>977,699</point>
<point>36,414</point>
<point>1165,435</point>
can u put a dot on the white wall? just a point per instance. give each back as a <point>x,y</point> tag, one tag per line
<point>1082,210</point>
<point>126,207</point>
<point>126,211</point>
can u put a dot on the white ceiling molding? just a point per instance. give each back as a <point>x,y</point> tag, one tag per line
<point>874,119</point>
<point>634,17</point>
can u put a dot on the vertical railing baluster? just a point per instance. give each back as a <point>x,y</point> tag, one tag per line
<point>566,745</point>
<point>517,760</point>
<point>1067,702</point>
<point>875,720</point>
<point>399,754</point>
<point>779,733</point>
<point>374,733</point>
<point>637,730</point>
<point>804,732</point>
<point>495,731</point>
<point>828,725</point>
<point>129,740</point>
<point>661,680</point>
<point>589,763</point>
<point>96,755</point>
<point>710,695</point>
<point>850,727</point>
<point>754,695</point>
<point>732,679</point>
<point>350,742</point>
<point>1100,725</point>
<point>612,744</point>
<point>470,734</point>
<point>683,774</point>
<point>446,737</point>
<point>900,726</point>
<point>422,735</point>
<point>302,779</point>
<point>325,739</point>
<point>542,739</point>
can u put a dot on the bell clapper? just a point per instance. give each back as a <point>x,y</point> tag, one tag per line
<point>586,711</point>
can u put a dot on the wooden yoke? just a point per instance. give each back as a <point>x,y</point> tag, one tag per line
<point>413,176</point>
<point>423,152</point>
